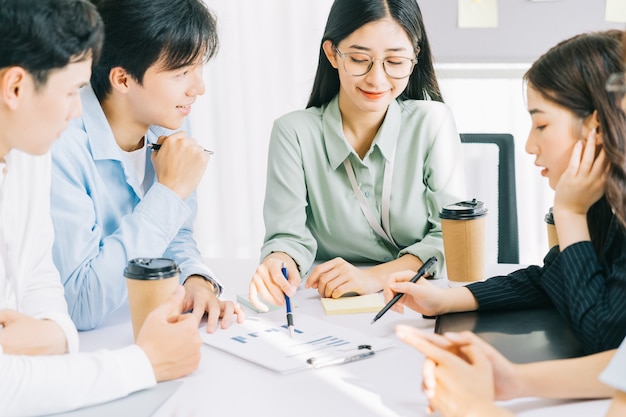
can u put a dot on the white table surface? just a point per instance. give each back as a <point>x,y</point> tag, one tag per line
<point>386,385</point>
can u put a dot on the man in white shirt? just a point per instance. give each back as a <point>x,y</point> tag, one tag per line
<point>46,52</point>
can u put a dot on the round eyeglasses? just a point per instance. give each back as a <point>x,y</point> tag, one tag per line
<point>359,63</point>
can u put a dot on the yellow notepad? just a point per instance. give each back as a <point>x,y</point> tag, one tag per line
<point>370,303</point>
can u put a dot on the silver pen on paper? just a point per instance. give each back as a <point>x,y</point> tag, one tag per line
<point>339,360</point>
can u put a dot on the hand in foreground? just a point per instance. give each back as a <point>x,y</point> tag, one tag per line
<point>269,283</point>
<point>458,380</point>
<point>337,277</point>
<point>21,334</point>
<point>507,382</point>
<point>200,298</point>
<point>171,339</point>
<point>180,163</point>
<point>421,296</point>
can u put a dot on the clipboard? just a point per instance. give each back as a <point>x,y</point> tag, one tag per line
<point>265,341</point>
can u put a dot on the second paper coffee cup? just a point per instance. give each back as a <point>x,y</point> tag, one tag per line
<point>150,282</point>
<point>553,239</point>
<point>463,226</point>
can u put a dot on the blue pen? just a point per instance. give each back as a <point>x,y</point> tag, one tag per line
<point>283,269</point>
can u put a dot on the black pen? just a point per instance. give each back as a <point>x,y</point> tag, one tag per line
<point>157,146</point>
<point>290,326</point>
<point>420,273</point>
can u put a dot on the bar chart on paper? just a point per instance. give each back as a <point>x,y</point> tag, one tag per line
<point>266,342</point>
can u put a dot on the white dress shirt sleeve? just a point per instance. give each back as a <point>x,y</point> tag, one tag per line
<point>35,385</point>
<point>29,235</point>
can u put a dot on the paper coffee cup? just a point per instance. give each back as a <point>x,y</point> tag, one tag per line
<point>464,227</point>
<point>553,239</point>
<point>150,282</point>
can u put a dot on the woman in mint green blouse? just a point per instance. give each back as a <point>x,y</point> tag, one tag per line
<point>361,175</point>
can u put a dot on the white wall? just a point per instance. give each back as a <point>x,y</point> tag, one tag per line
<point>526,29</point>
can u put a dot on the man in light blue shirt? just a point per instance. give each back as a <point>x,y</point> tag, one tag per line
<point>114,198</point>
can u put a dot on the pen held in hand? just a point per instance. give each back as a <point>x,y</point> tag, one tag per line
<point>290,326</point>
<point>420,273</point>
<point>157,146</point>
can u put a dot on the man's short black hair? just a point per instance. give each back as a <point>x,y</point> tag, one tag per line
<point>140,33</point>
<point>43,35</point>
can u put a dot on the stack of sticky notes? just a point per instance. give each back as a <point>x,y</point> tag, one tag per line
<point>370,303</point>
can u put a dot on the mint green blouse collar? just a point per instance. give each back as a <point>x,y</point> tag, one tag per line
<point>338,150</point>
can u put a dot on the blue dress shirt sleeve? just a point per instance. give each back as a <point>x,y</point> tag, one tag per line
<point>100,224</point>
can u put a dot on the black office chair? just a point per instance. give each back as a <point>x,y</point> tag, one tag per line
<point>507,235</point>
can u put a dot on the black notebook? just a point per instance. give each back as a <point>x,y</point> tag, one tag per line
<point>522,336</point>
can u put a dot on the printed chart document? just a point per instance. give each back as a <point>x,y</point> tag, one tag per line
<point>265,340</point>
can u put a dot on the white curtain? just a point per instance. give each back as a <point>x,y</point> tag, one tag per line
<point>265,68</point>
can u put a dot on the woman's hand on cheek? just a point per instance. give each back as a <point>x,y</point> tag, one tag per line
<point>580,186</point>
<point>582,182</point>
